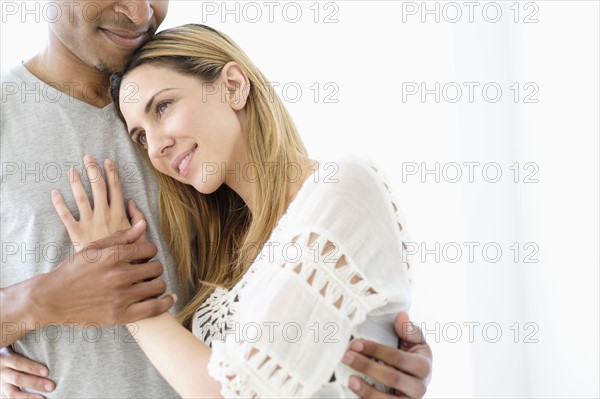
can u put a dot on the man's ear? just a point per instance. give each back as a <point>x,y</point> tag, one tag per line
<point>237,85</point>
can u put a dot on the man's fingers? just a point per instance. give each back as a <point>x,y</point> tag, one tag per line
<point>12,392</point>
<point>366,391</point>
<point>409,363</point>
<point>145,271</point>
<point>408,332</point>
<point>26,381</point>
<point>120,247</point>
<point>115,191</point>
<point>137,252</point>
<point>150,308</point>
<point>146,291</point>
<point>385,374</point>
<point>124,237</point>
<point>17,362</point>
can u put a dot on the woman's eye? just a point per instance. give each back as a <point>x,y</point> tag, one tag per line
<point>140,138</point>
<point>161,107</point>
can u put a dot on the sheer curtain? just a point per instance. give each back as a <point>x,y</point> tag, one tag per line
<point>484,116</point>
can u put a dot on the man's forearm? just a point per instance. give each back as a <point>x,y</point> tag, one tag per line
<point>17,311</point>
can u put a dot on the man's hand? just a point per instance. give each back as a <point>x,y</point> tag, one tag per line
<point>108,282</point>
<point>406,369</point>
<point>18,372</point>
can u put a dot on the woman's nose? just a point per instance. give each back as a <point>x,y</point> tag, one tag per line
<point>159,144</point>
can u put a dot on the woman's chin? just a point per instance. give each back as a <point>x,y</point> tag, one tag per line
<point>206,187</point>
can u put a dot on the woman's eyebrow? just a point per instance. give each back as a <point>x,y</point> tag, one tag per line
<point>149,103</point>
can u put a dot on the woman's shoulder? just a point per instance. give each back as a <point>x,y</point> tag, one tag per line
<point>348,165</point>
<point>347,177</point>
<point>349,190</point>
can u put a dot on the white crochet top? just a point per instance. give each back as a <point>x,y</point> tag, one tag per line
<point>334,269</point>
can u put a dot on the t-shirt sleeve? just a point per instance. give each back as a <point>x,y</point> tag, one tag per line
<point>337,269</point>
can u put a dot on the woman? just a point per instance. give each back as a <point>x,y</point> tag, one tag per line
<point>287,260</point>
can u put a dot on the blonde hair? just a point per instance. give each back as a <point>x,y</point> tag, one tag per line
<point>214,237</point>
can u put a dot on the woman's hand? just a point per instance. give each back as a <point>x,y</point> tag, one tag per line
<point>107,215</point>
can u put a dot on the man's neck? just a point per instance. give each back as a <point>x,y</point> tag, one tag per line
<point>67,73</point>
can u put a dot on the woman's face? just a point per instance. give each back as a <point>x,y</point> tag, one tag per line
<point>193,131</point>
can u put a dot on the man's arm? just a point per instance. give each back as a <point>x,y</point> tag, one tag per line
<point>16,317</point>
<point>406,369</point>
<point>103,284</point>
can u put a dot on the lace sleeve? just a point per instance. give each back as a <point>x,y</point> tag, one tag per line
<point>338,262</point>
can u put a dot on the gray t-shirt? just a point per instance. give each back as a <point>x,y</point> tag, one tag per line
<point>43,133</point>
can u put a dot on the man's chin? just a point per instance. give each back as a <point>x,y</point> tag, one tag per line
<point>109,68</point>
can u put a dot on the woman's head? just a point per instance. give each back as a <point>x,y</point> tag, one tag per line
<point>191,128</point>
<point>205,93</point>
<point>214,119</point>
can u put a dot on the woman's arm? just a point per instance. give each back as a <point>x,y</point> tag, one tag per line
<point>178,356</point>
<point>342,282</point>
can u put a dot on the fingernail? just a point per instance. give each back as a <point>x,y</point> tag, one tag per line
<point>109,162</point>
<point>174,297</point>
<point>354,384</point>
<point>48,387</point>
<point>357,346</point>
<point>348,358</point>
<point>44,372</point>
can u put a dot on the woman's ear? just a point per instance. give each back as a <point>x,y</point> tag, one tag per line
<point>237,85</point>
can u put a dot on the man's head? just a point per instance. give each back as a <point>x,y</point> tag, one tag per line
<point>105,33</point>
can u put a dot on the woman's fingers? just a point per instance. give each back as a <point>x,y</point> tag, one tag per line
<point>63,211</point>
<point>98,184</point>
<point>134,213</point>
<point>81,198</point>
<point>115,191</point>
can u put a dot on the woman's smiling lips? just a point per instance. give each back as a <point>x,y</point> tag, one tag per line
<point>182,162</point>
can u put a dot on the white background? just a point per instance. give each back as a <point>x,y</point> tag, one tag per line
<point>365,55</point>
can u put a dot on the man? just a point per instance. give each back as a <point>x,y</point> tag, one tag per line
<point>56,109</point>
